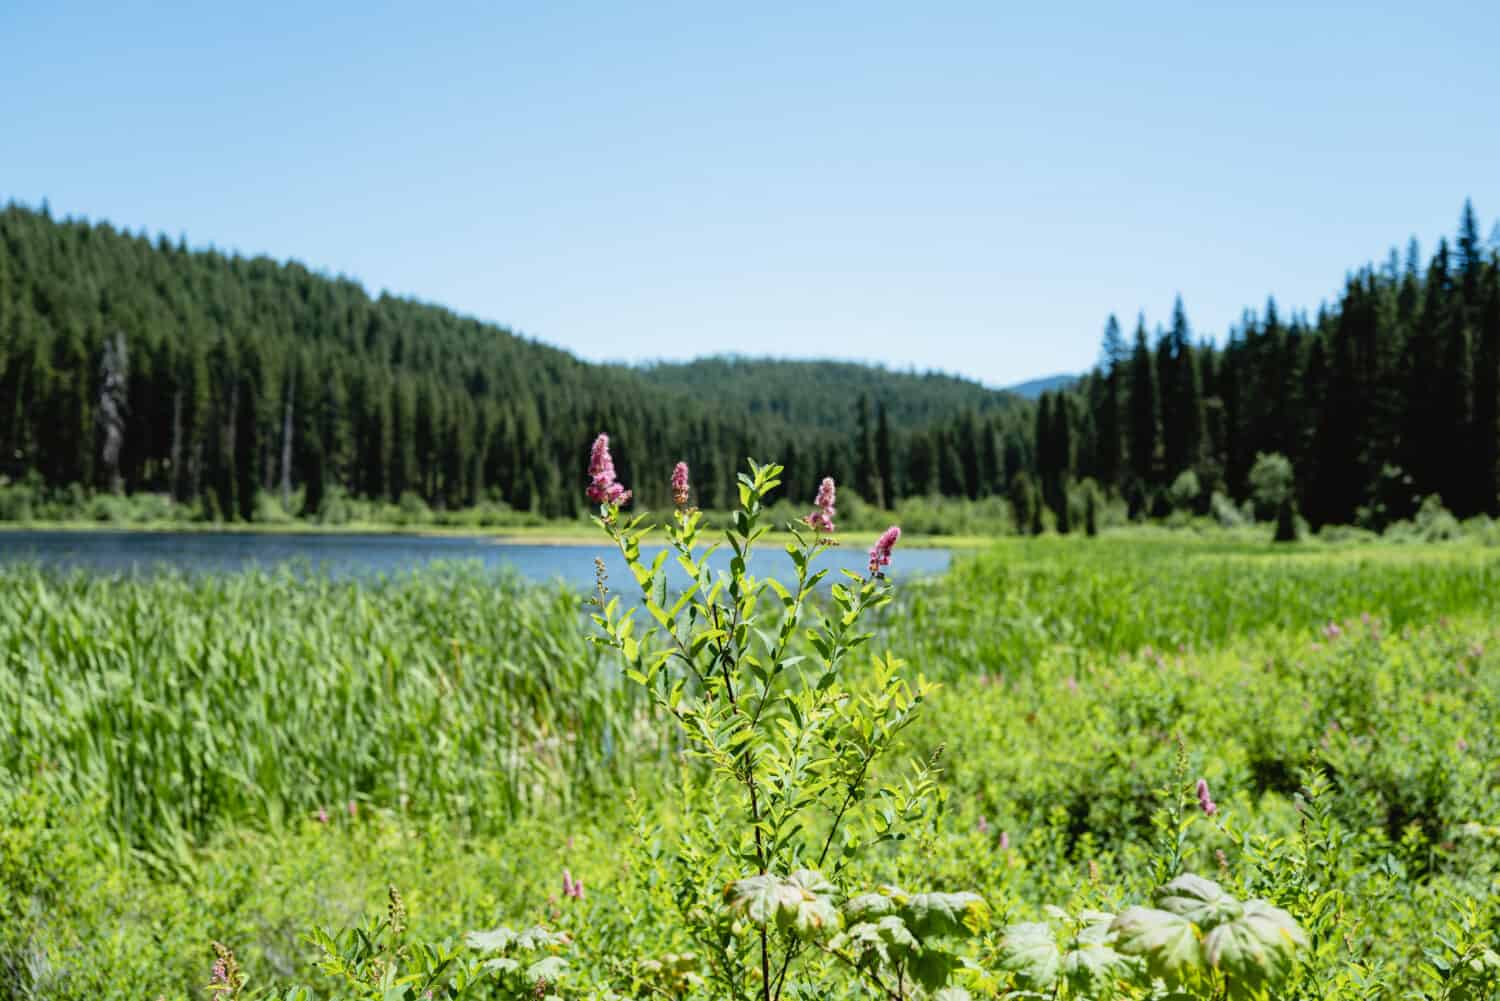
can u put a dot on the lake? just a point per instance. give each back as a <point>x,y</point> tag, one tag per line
<point>344,556</point>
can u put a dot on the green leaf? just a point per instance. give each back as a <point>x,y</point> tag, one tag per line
<point>1168,942</point>
<point>801,903</point>
<point>1201,901</point>
<point>497,940</point>
<point>1029,951</point>
<point>811,881</point>
<point>548,968</point>
<point>1091,967</point>
<point>869,905</point>
<point>932,967</point>
<point>1256,950</point>
<point>931,915</point>
<point>952,994</point>
<point>1095,927</point>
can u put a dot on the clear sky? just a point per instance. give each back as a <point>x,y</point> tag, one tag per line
<point>964,186</point>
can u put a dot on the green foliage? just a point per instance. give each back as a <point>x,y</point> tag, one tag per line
<point>772,697</point>
<point>1086,685</point>
<point>1271,482</point>
<point>1185,491</point>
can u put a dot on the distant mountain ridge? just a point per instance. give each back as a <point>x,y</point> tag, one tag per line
<point>1032,389</point>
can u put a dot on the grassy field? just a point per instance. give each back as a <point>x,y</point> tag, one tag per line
<point>242,759</point>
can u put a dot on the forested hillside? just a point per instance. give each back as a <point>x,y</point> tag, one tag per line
<point>132,365</point>
<point>797,392</point>
<point>1385,396</point>
<point>136,365</point>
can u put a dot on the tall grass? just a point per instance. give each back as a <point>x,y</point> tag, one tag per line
<point>191,703</point>
<point>1024,599</point>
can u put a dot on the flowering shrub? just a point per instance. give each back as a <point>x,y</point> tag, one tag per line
<point>785,719</point>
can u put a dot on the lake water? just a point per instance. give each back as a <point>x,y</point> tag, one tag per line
<point>344,556</point>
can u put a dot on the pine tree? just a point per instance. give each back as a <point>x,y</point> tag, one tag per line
<point>884,457</point>
<point>1181,396</point>
<point>1110,425</point>
<point>1143,410</point>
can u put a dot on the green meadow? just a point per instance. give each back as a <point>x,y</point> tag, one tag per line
<point>246,759</point>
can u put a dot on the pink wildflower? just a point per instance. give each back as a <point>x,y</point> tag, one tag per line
<point>603,487</point>
<point>983,827</point>
<point>1332,631</point>
<point>1205,801</point>
<point>353,809</point>
<point>322,815</point>
<point>1005,841</point>
<point>822,516</point>
<point>880,556</point>
<point>572,887</point>
<point>680,484</point>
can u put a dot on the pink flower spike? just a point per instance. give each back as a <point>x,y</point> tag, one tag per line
<point>823,509</point>
<point>603,487</point>
<point>353,809</point>
<point>322,815</point>
<point>880,555</point>
<point>680,484</point>
<point>1205,801</point>
<point>983,827</point>
<point>1005,841</point>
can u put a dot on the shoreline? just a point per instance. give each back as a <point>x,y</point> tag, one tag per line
<point>562,534</point>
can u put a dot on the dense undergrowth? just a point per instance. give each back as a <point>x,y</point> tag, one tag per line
<point>241,759</point>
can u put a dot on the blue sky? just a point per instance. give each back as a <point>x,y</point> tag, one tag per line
<point>970,187</point>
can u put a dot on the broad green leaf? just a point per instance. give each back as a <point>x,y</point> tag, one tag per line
<point>1201,901</point>
<point>811,918</point>
<point>497,940</point>
<point>537,937</point>
<point>932,968</point>
<point>876,943</point>
<point>952,994</point>
<point>758,898</point>
<point>811,881</point>
<point>869,905</point>
<point>1257,949</point>
<point>931,915</point>
<point>1029,951</point>
<point>1168,942</point>
<point>813,914</point>
<point>1091,967</point>
<point>548,968</point>
<point>1095,927</point>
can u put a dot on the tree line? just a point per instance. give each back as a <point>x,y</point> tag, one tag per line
<point>1386,396</point>
<point>136,365</point>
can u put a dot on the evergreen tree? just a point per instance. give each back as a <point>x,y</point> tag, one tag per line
<point>884,457</point>
<point>1143,410</point>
